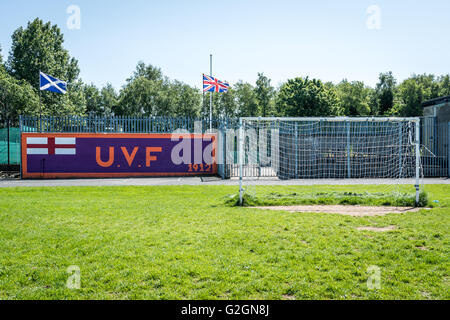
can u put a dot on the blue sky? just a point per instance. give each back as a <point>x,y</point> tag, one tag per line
<point>324,39</point>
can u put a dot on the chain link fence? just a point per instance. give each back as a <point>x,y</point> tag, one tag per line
<point>435,136</point>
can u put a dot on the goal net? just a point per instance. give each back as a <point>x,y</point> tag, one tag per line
<point>328,151</point>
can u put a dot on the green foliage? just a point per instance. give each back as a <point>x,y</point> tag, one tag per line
<point>139,97</point>
<point>186,100</point>
<point>243,100</point>
<point>417,89</point>
<point>423,199</point>
<point>354,98</point>
<point>410,98</point>
<point>385,91</point>
<point>227,105</point>
<point>93,99</point>
<point>444,85</point>
<point>264,95</point>
<point>302,97</point>
<point>109,99</point>
<point>246,99</point>
<point>16,97</point>
<point>148,72</point>
<point>149,93</point>
<point>302,197</point>
<point>100,102</point>
<point>216,105</point>
<point>72,103</point>
<point>39,47</point>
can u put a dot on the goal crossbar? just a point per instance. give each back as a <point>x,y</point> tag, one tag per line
<point>333,119</point>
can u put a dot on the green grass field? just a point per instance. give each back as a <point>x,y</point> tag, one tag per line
<point>176,242</point>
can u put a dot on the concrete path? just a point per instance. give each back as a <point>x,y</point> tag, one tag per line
<point>194,181</point>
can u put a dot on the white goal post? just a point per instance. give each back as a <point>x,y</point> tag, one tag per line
<point>300,149</point>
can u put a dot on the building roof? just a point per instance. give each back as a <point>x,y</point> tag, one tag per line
<point>436,101</point>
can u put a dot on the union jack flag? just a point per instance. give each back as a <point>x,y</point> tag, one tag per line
<point>211,84</point>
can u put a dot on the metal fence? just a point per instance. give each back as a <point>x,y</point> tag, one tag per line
<point>435,137</point>
<point>121,124</point>
<point>435,151</point>
<point>116,124</point>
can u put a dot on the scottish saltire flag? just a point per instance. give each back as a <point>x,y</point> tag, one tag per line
<point>49,83</point>
<point>211,84</point>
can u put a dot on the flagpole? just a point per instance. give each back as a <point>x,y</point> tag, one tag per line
<point>210,94</point>
<point>203,96</point>
<point>40,111</point>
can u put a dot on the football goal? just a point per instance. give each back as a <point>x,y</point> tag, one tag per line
<point>310,151</point>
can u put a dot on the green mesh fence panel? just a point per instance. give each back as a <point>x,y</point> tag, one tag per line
<point>14,146</point>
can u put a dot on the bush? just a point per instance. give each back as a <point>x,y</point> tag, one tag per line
<point>423,199</point>
<point>331,198</point>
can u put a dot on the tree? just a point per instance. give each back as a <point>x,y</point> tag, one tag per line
<point>409,100</point>
<point>187,100</point>
<point>93,100</point>
<point>17,97</point>
<point>72,103</point>
<point>145,94</point>
<point>354,98</point>
<point>108,100</point>
<point>246,101</point>
<point>444,85</point>
<point>149,72</point>
<point>413,91</point>
<point>138,98</point>
<point>385,90</point>
<point>149,93</point>
<point>227,104</point>
<point>216,106</point>
<point>302,97</point>
<point>39,47</point>
<point>264,95</point>
<point>100,102</point>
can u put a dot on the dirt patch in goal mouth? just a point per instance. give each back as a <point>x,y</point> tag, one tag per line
<point>355,211</point>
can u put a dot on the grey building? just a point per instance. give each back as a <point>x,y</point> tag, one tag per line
<point>439,108</point>
<point>435,137</point>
